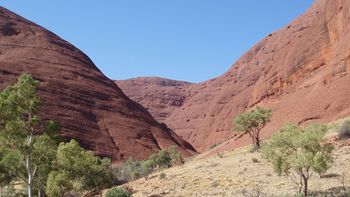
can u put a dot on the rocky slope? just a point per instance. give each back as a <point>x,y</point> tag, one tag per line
<point>236,174</point>
<point>158,95</point>
<point>300,71</point>
<point>90,107</point>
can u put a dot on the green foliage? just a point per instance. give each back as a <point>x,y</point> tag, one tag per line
<point>5,175</point>
<point>175,156</point>
<point>79,170</point>
<point>162,176</point>
<point>344,129</point>
<point>163,159</point>
<point>26,149</point>
<point>296,152</point>
<point>9,191</point>
<point>130,170</point>
<point>251,122</point>
<point>117,192</point>
<point>29,149</point>
<point>58,183</point>
<point>134,169</point>
<point>147,167</point>
<point>255,160</point>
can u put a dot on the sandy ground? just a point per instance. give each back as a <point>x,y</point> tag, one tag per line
<point>236,174</point>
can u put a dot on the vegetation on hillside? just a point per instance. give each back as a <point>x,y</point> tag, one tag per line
<point>117,192</point>
<point>343,130</point>
<point>296,152</point>
<point>251,122</point>
<point>34,156</point>
<point>133,169</point>
<point>31,153</point>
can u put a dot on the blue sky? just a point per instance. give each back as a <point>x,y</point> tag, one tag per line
<point>192,40</point>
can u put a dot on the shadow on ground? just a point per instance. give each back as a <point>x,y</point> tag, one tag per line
<point>333,192</point>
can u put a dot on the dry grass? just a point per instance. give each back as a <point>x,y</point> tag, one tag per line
<point>236,174</point>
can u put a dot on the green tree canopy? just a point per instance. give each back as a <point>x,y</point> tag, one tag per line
<point>251,122</point>
<point>26,148</point>
<point>79,170</point>
<point>296,152</point>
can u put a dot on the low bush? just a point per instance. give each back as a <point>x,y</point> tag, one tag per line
<point>344,129</point>
<point>117,192</point>
<point>134,169</point>
<point>129,171</point>
<point>162,176</point>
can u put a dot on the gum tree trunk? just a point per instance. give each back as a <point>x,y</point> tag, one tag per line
<point>305,186</point>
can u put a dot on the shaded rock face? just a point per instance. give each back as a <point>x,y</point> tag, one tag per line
<point>158,95</point>
<point>90,107</point>
<point>300,71</point>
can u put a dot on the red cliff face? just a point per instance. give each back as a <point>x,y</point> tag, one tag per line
<point>90,107</point>
<point>300,71</point>
<point>158,95</point>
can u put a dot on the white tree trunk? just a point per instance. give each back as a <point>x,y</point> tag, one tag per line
<point>30,177</point>
<point>29,170</point>
<point>31,174</point>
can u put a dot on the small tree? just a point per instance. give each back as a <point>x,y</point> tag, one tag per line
<point>79,170</point>
<point>296,152</point>
<point>28,148</point>
<point>251,122</point>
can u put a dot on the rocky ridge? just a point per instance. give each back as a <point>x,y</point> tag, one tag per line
<point>89,107</point>
<point>300,71</point>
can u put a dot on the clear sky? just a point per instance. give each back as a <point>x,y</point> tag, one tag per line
<point>192,40</point>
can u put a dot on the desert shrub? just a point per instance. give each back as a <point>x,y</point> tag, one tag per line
<point>251,122</point>
<point>213,146</point>
<point>162,176</point>
<point>220,155</point>
<point>78,170</point>
<point>130,170</point>
<point>175,156</point>
<point>344,129</point>
<point>133,169</point>
<point>147,167</point>
<point>163,159</point>
<point>117,192</point>
<point>9,191</point>
<point>296,152</point>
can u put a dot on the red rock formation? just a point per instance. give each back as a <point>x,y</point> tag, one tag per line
<point>300,71</point>
<point>158,95</point>
<point>90,107</point>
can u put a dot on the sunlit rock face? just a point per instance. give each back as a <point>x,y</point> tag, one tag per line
<point>300,71</point>
<point>89,107</point>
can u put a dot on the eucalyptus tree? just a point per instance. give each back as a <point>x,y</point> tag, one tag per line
<point>29,146</point>
<point>251,122</point>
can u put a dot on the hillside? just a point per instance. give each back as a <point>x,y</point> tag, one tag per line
<point>158,95</point>
<point>235,174</point>
<point>89,107</point>
<point>300,71</point>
